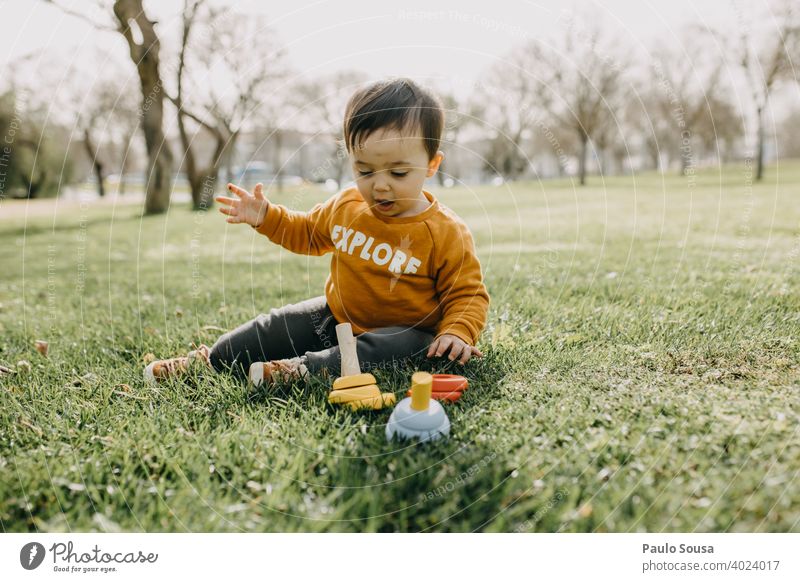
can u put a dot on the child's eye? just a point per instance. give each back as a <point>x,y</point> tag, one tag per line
<point>395,174</point>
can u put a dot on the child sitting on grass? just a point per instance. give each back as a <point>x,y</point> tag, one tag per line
<point>404,272</point>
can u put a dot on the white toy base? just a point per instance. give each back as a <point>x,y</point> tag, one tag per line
<point>426,425</point>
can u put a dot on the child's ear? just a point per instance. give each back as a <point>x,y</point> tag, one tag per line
<point>433,165</point>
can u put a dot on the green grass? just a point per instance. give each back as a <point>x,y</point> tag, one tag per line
<point>641,372</point>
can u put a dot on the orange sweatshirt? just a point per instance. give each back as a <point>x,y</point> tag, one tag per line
<point>385,271</point>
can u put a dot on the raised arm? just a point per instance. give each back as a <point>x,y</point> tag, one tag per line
<point>306,233</point>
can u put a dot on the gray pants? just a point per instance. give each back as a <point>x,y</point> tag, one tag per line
<point>307,329</point>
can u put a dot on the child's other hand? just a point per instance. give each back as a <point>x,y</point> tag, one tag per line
<point>248,208</point>
<point>458,348</point>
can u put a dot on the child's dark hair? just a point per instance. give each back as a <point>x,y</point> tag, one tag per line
<point>395,103</point>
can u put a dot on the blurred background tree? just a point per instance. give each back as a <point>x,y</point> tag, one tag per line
<point>575,100</point>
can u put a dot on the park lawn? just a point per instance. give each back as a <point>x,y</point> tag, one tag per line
<point>640,371</point>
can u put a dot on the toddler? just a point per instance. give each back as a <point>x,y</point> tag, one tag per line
<point>404,272</point>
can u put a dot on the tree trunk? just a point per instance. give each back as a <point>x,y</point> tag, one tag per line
<point>203,186</point>
<point>276,160</point>
<point>655,156</point>
<point>145,56</point>
<point>97,166</point>
<point>34,186</point>
<point>582,160</point>
<point>685,159</point>
<point>229,161</point>
<point>202,181</point>
<point>760,146</point>
<point>602,160</point>
<point>341,162</point>
<point>228,153</point>
<point>203,193</point>
<point>126,164</point>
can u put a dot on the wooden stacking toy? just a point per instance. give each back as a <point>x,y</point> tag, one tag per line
<point>354,389</point>
<point>447,387</point>
<point>418,416</point>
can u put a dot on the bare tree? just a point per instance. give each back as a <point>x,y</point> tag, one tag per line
<point>506,101</point>
<point>127,121</point>
<point>92,151</point>
<point>653,124</point>
<point>108,122</point>
<point>579,82</point>
<point>239,48</point>
<point>552,146</point>
<point>766,62</point>
<point>95,122</point>
<point>144,46</point>
<point>320,105</point>
<point>459,115</point>
<point>686,81</point>
<point>202,182</point>
<point>719,128</point>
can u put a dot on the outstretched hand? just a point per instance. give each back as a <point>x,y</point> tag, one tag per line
<point>248,208</point>
<point>458,348</point>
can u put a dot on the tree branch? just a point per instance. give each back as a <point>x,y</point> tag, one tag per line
<point>76,14</point>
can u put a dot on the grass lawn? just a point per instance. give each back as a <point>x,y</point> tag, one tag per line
<point>641,371</point>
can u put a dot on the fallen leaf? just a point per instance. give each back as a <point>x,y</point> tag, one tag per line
<point>41,347</point>
<point>148,357</point>
<point>23,366</point>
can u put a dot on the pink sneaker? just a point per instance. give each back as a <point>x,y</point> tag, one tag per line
<point>276,370</point>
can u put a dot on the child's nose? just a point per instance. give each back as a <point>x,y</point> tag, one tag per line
<point>381,183</point>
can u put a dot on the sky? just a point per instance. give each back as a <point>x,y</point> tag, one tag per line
<point>425,40</point>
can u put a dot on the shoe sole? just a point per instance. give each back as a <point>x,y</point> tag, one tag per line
<point>256,373</point>
<point>149,376</point>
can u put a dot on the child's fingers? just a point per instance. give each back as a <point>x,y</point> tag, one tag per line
<point>444,345</point>
<point>225,200</point>
<point>457,350</point>
<point>466,355</point>
<point>259,191</point>
<point>238,191</point>
<point>432,349</point>
<point>476,352</point>
<point>233,220</point>
<point>228,211</point>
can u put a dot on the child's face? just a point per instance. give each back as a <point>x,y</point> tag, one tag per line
<point>390,169</point>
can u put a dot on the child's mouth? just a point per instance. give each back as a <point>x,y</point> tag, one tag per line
<point>385,205</point>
